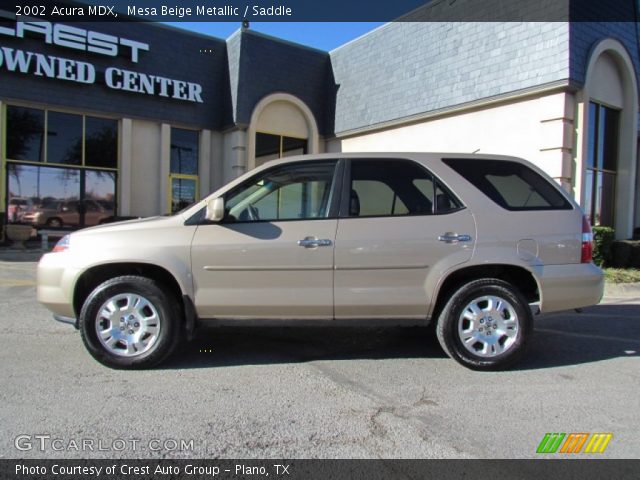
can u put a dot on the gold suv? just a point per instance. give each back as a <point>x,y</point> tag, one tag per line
<point>475,243</point>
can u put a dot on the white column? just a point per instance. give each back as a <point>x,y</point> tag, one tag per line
<point>239,153</point>
<point>556,138</point>
<point>217,179</point>
<point>124,174</point>
<point>165,167</point>
<point>205,163</point>
<point>235,154</point>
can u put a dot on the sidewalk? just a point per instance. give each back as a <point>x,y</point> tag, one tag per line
<point>8,254</point>
<point>32,253</point>
<point>622,290</point>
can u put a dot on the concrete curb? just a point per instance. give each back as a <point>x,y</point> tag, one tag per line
<point>17,255</point>
<point>618,290</point>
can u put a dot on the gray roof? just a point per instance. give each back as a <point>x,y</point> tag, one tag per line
<point>260,65</point>
<point>405,69</point>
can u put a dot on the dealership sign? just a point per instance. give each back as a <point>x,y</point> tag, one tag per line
<point>65,36</point>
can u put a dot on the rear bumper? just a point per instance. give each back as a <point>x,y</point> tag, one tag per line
<point>565,287</point>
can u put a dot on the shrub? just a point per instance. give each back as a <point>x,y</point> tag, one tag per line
<point>602,239</point>
<point>634,261</point>
<point>621,253</point>
<point>622,275</point>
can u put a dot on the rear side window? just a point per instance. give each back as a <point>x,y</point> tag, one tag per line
<point>511,185</point>
<point>395,187</point>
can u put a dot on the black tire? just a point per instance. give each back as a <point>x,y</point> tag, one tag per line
<point>482,354</point>
<point>167,311</point>
<point>54,223</point>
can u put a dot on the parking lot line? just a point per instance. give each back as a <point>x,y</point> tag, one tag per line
<point>586,335</point>
<point>14,282</point>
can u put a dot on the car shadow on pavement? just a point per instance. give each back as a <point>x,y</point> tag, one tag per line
<point>599,333</point>
<point>232,346</point>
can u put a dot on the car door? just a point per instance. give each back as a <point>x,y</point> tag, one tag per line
<point>69,213</point>
<point>272,255</point>
<point>398,228</point>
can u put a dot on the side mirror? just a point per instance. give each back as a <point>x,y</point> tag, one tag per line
<point>215,209</point>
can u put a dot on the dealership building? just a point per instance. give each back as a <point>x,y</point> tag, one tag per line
<point>139,119</point>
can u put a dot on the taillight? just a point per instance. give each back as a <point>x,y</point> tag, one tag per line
<point>587,241</point>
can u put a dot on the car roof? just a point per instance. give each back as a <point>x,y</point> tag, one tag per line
<point>424,157</point>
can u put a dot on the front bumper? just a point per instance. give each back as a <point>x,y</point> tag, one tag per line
<point>566,287</point>
<point>68,320</point>
<point>56,280</point>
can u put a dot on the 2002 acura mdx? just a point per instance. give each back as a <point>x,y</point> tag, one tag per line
<point>476,243</point>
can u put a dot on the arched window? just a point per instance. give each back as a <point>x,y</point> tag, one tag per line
<point>281,126</point>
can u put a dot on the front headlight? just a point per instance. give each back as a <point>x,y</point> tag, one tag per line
<point>63,244</point>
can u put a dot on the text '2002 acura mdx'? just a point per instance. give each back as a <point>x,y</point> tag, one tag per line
<point>474,243</point>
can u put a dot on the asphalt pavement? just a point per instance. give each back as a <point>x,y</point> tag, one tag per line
<point>314,392</point>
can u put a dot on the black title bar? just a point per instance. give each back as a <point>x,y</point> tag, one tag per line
<point>318,469</point>
<point>323,11</point>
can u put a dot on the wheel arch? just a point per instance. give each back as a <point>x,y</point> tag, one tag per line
<point>521,278</point>
<point>98,274</point>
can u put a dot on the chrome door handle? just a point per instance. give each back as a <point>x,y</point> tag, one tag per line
<point>451,237</point>
<point>313,242</point>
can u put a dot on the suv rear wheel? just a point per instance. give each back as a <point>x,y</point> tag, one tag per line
<point>485,325</point>
<point>130,322</point>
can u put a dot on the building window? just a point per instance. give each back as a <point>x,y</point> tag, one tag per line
<point>64,179</point>
<point>100,142</point>
<point>270,147</point>
<point>64,138</point>
<point>183,180</point>
<point>25,137</point>
<point>602,159</point>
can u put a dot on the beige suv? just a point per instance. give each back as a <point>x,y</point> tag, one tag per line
<point>476,243</point>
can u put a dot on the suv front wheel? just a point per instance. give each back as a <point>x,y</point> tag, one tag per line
<point>130,322</point>
<point>485,325</point>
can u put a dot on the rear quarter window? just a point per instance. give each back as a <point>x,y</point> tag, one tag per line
<point>512,185</point>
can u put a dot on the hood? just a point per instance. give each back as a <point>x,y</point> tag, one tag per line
<point>128,225</point>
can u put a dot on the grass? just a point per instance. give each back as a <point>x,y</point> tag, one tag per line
<point>622,275</point>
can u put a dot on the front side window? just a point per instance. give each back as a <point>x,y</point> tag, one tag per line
<point>300,191</point>
<point>395,187</point>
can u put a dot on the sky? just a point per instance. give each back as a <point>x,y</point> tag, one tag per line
<point>321,35</point>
